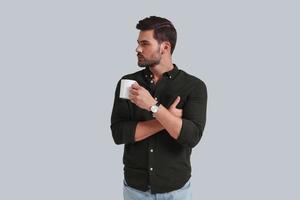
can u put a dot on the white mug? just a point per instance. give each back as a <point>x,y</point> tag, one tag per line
<point>125,86</point>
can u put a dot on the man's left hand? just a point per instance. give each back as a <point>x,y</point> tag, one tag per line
<point>141,97</point>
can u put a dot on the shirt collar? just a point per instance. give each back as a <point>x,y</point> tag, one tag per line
<point>170,74</point>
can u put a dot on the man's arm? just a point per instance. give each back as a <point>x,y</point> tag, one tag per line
<point>124,130</point>
<point>151,127</point>
<point>170,122</point>
<point>188,130</point>
<point>146,129</point>
<point>122,126</point>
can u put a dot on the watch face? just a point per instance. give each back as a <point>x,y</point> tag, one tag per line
<point>154,108</point>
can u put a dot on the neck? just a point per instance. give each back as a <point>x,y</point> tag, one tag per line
<point>161,68</point>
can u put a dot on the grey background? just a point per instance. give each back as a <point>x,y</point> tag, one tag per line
<point>60,62</point>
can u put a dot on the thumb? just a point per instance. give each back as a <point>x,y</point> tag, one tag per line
<point>177,100</point>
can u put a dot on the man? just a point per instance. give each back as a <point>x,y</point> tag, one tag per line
<point>162,121</point>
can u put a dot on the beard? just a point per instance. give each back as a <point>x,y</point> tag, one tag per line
<point>154,60</point>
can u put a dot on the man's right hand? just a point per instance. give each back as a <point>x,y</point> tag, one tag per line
<point>175,111</point>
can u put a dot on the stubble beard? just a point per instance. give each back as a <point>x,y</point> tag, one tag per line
<point>150,62</point>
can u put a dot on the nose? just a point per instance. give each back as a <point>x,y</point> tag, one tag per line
<point>138,49</point>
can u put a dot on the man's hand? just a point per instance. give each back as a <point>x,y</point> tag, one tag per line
<point>175,111</point>
<point>141,97</point>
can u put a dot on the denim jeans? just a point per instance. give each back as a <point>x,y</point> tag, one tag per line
<point>184,193</point>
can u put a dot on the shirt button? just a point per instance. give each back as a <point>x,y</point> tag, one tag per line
<point>151,169</point>
<point>151,75</point>
<point>155,98</point>
<point>146,75</point>
<point>170,76</point>
<point>151,150</point>
<point>151,81</point>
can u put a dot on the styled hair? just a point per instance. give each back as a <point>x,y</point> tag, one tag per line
<point>164,30</point>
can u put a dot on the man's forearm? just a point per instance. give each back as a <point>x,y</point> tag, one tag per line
<point>146,129</point>
<point>168,121</point>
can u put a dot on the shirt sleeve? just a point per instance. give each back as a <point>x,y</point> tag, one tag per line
<point>194,116</point>
<point>122,127</point>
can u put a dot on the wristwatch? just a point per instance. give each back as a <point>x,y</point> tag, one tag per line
<point>154,108</point>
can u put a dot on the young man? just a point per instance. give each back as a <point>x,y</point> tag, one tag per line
<point>162,121</point>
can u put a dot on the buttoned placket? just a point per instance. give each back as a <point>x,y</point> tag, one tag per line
<point>151,159</point>
<point>155,91</point>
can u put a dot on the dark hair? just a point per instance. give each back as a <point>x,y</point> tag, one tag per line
<point>163,29</point>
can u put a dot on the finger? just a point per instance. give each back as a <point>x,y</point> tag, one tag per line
<point>135,85</point>
<point>131,97</point>
<point>133,91</point>
<point>177,100</point>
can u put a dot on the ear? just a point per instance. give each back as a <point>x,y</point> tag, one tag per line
<point>166,47</point>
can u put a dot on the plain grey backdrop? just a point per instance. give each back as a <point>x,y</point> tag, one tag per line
<point>60,62</point>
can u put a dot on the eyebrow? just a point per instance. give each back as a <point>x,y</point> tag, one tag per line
<point>143,41</point>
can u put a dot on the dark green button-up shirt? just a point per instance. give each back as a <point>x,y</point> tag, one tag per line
<point>160,162</point>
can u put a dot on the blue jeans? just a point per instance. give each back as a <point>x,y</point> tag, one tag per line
<point>184,193</point>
